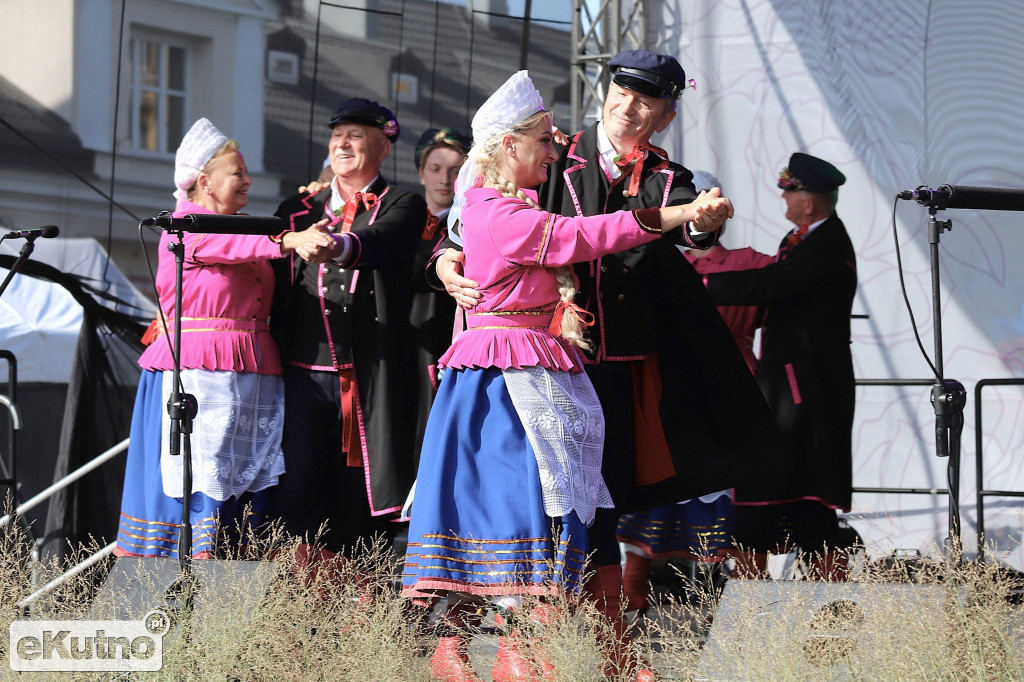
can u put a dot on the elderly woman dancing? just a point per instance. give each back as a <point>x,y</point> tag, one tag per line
<point>510,472</point>
<point>229,362</point>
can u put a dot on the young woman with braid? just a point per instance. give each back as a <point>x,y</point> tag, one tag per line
<point>510,471</point>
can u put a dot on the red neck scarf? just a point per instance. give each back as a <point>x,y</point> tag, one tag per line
<point>430,229</point>
<point>365,199</point>
<point>635,159</point>
<point>792,240</point>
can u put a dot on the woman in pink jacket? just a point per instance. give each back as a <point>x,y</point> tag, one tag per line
<point>510,471</point>
<point>229,363</point>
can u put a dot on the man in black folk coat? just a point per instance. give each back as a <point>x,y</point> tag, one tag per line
<point>347,344</point>
<point>683,415</point>
<point>805,372</point>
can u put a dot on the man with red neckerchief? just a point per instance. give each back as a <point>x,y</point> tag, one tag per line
<point>347,345</point>
<point>806,373</point>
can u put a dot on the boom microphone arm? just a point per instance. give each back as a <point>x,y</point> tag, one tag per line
<point>964,196</point>
<point>213,223</point>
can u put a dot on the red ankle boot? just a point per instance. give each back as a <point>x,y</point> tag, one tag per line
<point>450,662</point>
<point>515,661</point>
<point>512,664</point>
<point>634,581</point>
<point>605,588</point>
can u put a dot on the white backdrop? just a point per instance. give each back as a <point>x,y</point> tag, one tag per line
<point>896,94</point>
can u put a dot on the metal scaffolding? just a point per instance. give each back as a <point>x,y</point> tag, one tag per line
<point>601,29</point>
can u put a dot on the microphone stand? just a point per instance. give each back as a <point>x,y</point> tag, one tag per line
<point>26,252</point>
<point>23,255</point>
<point>182,408</point>
<point>948,397</point>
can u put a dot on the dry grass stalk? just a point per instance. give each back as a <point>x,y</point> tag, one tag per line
<point>932,621</point>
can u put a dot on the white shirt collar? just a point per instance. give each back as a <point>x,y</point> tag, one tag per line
<point>810,228</point>
<point>336,203</point>
<point>607,152</point>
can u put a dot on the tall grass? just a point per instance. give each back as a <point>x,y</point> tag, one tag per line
<point>938,622</point>
<point>933,620</point>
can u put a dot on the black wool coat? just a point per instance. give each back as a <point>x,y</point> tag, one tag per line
<point>806,368</point>
<point>649,300</point>
<point>433,320</point>
<point>328,316</point>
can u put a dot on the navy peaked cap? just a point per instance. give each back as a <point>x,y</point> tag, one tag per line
<point>656,75</point>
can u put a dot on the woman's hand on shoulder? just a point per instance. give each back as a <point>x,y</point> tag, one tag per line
<point>313,187</point>
<point>449,271</point>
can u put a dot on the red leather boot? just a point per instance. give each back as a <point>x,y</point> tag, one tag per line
<point>634,580</point>
<point>605,588</point>
<point>515,662</point>
<point>315,566</point>
<point>450,663</point>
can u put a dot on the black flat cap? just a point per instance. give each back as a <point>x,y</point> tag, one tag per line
<point>806,173</point>
<point>358,110</point>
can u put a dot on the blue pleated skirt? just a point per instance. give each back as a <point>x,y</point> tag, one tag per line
<point>693,530</point>
<point>150,520</point>
<point>478,524</point>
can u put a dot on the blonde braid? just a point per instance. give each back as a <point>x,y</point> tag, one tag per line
<point>487,164</point>
<point>572,329</point>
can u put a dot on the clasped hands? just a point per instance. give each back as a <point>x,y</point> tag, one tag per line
<point>712,210</point>
<point>315,244</point>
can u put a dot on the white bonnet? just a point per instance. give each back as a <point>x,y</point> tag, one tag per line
<point>515,101</point>
<point>198,146</point>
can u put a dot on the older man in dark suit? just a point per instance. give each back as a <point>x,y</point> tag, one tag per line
<point>348,345</point>
<point>806,373</point>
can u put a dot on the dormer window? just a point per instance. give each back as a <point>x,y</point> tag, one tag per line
<point>283,67</point>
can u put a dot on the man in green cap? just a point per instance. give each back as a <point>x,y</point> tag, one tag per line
<point>806,373</point>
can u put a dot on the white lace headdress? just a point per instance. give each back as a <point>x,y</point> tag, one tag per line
<point>513,102</point>
<point>198,146</point>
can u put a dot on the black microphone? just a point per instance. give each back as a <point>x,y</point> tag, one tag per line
<point>213,223</point>
<point>963,196</point>
<point>46,232</point>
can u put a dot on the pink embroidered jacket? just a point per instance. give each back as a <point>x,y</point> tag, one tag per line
<point>227,289</point>
<point>513,251</point>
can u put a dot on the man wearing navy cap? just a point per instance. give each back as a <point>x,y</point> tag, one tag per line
<point>346,339</point>
<point>680,405</point>
<point>806,373</point>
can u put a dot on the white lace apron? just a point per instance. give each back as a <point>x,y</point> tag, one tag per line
<point>236,437</point>
<point>565,424</point>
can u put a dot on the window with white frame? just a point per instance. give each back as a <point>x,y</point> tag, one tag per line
<point>159,94</point>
